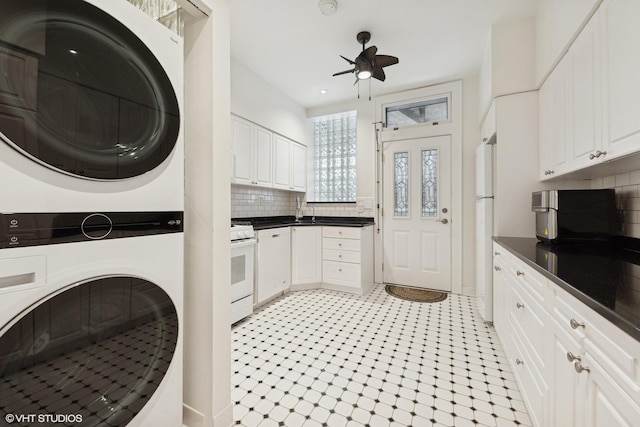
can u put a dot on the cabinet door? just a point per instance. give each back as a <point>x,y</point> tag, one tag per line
<point>606,405</point>
<point>566,386</point>
<point>558,117</point>
<point>263,163</point>
<point>585,131</point>
<point>500,290</point>
<point>621,76</point>
<point>299,167</point>
<point>243,151</point>
<point>282,162</point>
<point>545,121</point>
<point>306,255</point>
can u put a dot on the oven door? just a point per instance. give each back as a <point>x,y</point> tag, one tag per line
<point>242,254</point>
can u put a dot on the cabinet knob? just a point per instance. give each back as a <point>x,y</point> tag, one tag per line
<point>548,172</point>
<point>571,357</point>
<point>496,253</point>
<point>579,368</point>
<point>496,268</point>
<point>339,256</point>
<point>520,273</point>
<point>597,154</point>
<point>519,362</point>
<point>340,244</point>
<point>518,305</point>
<point>340,270</point>
<point>575,324</point>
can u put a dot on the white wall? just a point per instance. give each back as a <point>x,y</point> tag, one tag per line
<point>256,100</point>
<point>207,366</point>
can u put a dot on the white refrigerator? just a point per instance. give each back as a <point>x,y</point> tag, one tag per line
<point>484,227</point>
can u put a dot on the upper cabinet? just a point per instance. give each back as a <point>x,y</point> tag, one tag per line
<point>265,159</point>
<point>590,103</point>
<point>251,148</point>
<point>557,24</point>
<point>621,76</point>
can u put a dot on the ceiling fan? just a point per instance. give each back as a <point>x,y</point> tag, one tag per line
<point>368,64</point>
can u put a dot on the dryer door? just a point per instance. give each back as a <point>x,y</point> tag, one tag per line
<point>81,93</point>
<point>94,353</point>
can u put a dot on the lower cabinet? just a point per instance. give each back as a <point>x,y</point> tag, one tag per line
<point>347,258</point>
<point>306,255</point>
<point>273,262</point>
<point>574,367</point>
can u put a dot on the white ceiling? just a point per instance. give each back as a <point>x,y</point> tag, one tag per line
<point>291,45</point>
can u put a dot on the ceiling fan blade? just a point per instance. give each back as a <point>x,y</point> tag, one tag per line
<point>344,72</point>
<point>385,60</point>
<point>378,73</point>
<point>369,53</point>
<point>348,60</point>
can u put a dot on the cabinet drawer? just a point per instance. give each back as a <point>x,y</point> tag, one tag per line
<point>529,321</point>
<point>341,273</point>
<point>341,256</point>
<point>341,232</point>
<point>341,244</point>
<point>532,281</point>
<point>608,344</point>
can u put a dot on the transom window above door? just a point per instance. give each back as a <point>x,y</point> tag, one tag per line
<point>429,110</point>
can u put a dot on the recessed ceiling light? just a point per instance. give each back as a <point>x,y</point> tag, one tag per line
<point>73,51</point>
<point>323,91</point>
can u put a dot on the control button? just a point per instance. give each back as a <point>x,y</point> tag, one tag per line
<point>14,240</point>
<point>13,223</point>
<point>96,226</point>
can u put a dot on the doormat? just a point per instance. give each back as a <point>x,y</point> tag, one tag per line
<point>415,294</point>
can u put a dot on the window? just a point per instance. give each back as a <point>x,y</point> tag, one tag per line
<point>417,112</point>
<point>334,158</point>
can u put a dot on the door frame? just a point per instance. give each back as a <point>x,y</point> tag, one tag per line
<point>452,128</point>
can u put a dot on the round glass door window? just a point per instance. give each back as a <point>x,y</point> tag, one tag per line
<point>81,93</point>
<point>95,353</point>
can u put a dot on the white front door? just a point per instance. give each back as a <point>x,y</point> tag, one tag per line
<point>416,212</point>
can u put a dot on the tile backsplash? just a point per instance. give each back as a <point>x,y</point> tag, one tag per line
<point>627,186</point>
<point>247,201</point>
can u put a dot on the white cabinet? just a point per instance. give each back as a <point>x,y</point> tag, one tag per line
<point>347,258</point>
<point>265,159</point>
<point>251,148</point>
<point>290,164</point>
<point>574,367</point>
<point>306,255</point>
<point>273,262</point>
<point>621,76</point>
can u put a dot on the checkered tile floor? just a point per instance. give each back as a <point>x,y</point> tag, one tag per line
<point>325,358</point>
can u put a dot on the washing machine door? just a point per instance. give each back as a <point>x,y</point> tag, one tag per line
<point>92,355</point>
<point>81,93</point>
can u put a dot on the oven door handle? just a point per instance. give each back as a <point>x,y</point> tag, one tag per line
<point>242,243</point>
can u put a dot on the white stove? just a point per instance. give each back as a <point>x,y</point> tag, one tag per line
<point>242,282</point>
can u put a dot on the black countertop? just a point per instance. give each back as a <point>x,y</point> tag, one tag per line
<point>605,278</point>
<point>266,222</point>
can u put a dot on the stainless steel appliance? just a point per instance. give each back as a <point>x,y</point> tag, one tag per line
<point>242,279</point>
<point>571,216</point>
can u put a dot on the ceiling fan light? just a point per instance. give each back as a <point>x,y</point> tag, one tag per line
<point>364,74</point>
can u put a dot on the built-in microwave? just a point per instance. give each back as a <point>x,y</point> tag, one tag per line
<point>571,216</point>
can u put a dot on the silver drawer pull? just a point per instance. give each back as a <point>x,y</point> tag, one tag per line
<point>575,324</point>
<point>519,362</point>
<point>496,253</point>
<point>571,357</point>
<point>275,235</point>
<point>518,305</point>
<point>496,268</point>
<point>520,273</point>
<point>579,368</point>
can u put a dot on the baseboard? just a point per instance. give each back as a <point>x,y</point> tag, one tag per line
<point>469,290</point>
<point>195,418</point>
<point>224,418</point>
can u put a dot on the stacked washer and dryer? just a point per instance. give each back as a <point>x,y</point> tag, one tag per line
<point>91,215</point>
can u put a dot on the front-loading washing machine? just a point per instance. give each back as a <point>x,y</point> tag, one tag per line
<point>91,103</point>
<point>91,319</point>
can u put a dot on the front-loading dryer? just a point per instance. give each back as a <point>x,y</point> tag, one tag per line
<point>91,319</point>
<point>91,103</point>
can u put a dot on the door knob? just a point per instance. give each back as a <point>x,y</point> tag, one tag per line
<point>444,221</point>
